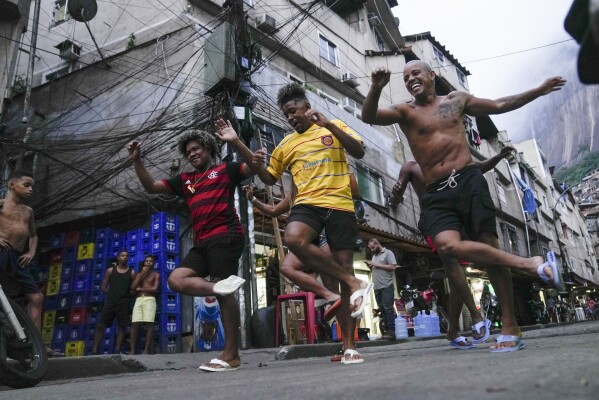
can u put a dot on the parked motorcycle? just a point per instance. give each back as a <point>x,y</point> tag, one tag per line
<point>538,311</point>
<point>427,301</point>
<point>23,358</point>
<point>491,308</point>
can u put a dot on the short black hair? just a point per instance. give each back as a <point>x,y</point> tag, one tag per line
<point>152,256</point>
<point>291,91</point>
<point>19,174</point>
<point>205,139</point>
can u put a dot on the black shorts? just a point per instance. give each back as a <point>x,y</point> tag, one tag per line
<point>341,230</point>
<point>466,205</point>
<point>215,257</point>
<point>9,262</point>
<point>119,310</point>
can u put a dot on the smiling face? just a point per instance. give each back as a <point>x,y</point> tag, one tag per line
<point>295,112</point>
<point>419,78</point>
<point>197,155</point>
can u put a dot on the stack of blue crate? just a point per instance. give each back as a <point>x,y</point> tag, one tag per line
<point>165,246</point>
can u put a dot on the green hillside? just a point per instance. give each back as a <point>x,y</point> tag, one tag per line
<point>587,162</point>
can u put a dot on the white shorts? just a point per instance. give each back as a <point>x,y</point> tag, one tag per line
<point>144,309</point>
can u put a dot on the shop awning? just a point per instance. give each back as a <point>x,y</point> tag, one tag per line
<point>577,279</point>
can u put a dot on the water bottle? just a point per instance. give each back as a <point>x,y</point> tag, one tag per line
<point>435,325</point>
<point>334,332</point>
<point>171,347</point>
<point>425,330</point>
<point>210,333</point>
<point>401,327</point>
<point>417,321</point>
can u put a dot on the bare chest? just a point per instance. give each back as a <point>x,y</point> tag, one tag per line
<point>14,219</point>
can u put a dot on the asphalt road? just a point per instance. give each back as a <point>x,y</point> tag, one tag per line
<point>557,363</point>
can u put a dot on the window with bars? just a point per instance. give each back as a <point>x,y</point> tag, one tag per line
<point>328,50</point>
<point>512,239</point>
<point>462,78</point>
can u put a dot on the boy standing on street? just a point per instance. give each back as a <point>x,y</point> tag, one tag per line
<point>17,232</point>
<point>145,287</point>
<point>117,286</point>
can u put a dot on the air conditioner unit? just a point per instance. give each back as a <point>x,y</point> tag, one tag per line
<point>349,105</point>
<point>266,23</point>
<point>350,79</point>
<point>69,50</point>
<point>373,19</point>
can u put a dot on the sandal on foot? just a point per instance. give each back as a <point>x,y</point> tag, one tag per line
<point>477,327</point>
<point>225,366</point>
<point>455,343</point>
<point>365,294</point>
<point>557,280</point>
<point>228,286</point>
<point>332,310</point>
<point>507,338</point>
<point>351,353</point>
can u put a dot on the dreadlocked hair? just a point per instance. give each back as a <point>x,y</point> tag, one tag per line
<point>205,139</point>
<point>289,92</point>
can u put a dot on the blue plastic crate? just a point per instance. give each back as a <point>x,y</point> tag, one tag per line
<point>163,222</point>
<point>145,233</point>
<point>96,296</point>
<point>50,303</point>
<point>69,254</point>
<point>145,244</point>
<point>76,333</point>
<point>165,242</point>
<point>106,233</point>
<point>60,333</point>
<point>170,344</point>
<point>62,317</point>
<point>64,301</point>
<point>107,340</point>
<point>93,319</point>
<point>166,261</point>
<point>170,323</point>
<point>164,287</point>
<point>57,240</point>
<point>84,267</point>
<point>134,235</point>
<point>58,346</point>
<point>102,248</point>
<point>89,333</point>
<point>170,303</point>
<point>97,275</point>
<point>87,236</point>
<point>66,284</point>
<point>68,268</point>
<point>100,264</point>
<point>133,247</point>
<point>96,285</point>
<point>81,283</point>
<point>95,307</point>
<point>79,299</point>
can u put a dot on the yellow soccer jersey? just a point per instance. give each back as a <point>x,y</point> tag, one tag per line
<point>318,165</point>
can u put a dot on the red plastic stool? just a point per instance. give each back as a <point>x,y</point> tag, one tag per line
<point>308,299</point>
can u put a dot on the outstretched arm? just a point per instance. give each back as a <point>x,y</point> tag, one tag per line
<point>226,133</point>
<point>371,114</point>
<point>147,181</point>
<point>477,107</point>
<point>489,164</point>
<point>274,211</point>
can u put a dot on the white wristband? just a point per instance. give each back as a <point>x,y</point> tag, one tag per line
<point>253,199</point>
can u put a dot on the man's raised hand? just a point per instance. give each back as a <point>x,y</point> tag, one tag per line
<point>380,77</point>
<point>552,84</point>
<point>225,131</point>
<point>134,150</point>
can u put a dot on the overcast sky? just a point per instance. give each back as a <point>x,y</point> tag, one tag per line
<point>481,29</point>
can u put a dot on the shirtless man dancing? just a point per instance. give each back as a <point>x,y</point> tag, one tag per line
<point>457,195</point>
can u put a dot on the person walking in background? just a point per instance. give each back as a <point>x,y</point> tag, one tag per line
<point>383,265</point>
<point>145,287</point>
<point>209,191</point>
<point>457,195</point>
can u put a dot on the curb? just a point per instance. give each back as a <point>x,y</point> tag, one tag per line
<point>85,367</point>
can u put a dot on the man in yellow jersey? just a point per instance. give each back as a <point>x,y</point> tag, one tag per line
<point>315,156</point>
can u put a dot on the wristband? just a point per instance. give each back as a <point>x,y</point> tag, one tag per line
<point>253,199</point>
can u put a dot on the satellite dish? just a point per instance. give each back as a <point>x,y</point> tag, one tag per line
<point>82,10</point>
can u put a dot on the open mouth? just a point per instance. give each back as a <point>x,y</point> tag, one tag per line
<point>416,86</point>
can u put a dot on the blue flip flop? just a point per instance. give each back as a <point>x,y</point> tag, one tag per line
<point>508,338</point>
<point>557,280</point>
<point>477,327</point>
<point>455,343</point>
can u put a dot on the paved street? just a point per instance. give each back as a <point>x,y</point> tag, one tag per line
<point>558,362</point>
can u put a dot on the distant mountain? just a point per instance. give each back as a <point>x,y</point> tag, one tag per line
<point>587,162</point>
<point>569,124</point>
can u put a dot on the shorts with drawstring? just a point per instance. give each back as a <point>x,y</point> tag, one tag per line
<point>459,201</point>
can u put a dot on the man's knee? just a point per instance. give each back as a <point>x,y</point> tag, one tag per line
<point>447,248</point>
<point>296,242</point>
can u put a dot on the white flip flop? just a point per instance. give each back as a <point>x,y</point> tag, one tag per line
<point>365,294</point>
<point>228,286</point>
<point>225,366</point>
<point>557,280</point>
<point>351,353</point>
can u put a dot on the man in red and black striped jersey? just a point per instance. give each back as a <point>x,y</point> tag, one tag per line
<point>218,236</point>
